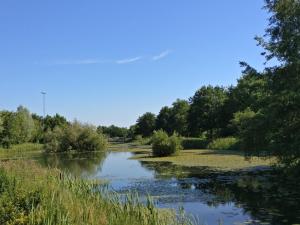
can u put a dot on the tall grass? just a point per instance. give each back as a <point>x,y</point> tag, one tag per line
<point>30,194</point>
<point>20,150</point>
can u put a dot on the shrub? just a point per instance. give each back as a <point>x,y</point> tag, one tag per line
<point>228,143</point>
<point>194,143</point>
<point>89,140</point>
<point>163,145</point>
<point>74,137</point>
<point>139,139</point>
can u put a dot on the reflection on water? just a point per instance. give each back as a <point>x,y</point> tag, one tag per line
<point>214,197</point>
<point>81,164</point>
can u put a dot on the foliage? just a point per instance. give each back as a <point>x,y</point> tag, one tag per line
<point>139,139</point>
<point>76,137</point>
<point>50,122</point>
<point>19,126</point>
<point>194,143</point>
<point>282,35</point>
<point>263,109</point>
<point>33,195</point>
<point>206,111</point>
<point>113,131</point>
<point>228,143</point>
<point>146,124</point>
<point>163,120</point>
<point>163,145</point>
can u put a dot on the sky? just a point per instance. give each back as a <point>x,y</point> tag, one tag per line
<point>108,62</point>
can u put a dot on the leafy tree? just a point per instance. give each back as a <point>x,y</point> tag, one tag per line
<point>206,111</point>
<point>282,37</point>
<point>163,120</point>
<point>131,131</point>
<point>74,137</point>
<point>251,90</point>
<point>178,118</point>
<point>20,126</point>
<point>1,125</point>
<point>113,131</point>
<point>281,113</point>
<point>146,124</point>
<point>50,122</point>
<point>251,127</point>
<point>38,133</point>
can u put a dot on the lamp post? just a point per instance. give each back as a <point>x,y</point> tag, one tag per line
<point>44,103</point>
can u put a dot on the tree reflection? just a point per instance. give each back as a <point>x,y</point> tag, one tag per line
<point>268,196</point>
<point>80,164</point>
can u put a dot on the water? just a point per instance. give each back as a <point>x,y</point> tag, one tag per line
<point>213,198</point>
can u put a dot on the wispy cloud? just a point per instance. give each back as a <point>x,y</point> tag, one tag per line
<point>101,61</point>
<point>76,62</point>
<point>161,55</point>
<point>129,60</point>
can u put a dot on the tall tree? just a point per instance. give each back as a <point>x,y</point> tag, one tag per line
<point>146,124</point>
<point>178,118</point>
<point>20,126</point>
<point>163,120</point>
<point>206,111</point>
<point>281,114</point>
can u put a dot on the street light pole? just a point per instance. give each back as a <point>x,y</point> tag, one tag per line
<point>44,103</point>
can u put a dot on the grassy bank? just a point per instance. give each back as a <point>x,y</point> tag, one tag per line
<point>215,159</point>
<point>30,194</point>
<point>20,151</point>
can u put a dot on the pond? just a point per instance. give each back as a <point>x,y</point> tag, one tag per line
<point>212,197</point>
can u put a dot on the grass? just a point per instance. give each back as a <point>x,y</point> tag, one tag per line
<point>21,151</point>
<point>30,194</point>
<point>215,159</point>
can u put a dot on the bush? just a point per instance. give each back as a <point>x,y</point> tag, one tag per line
<point>194,143</point>
<point>74,137</point>
<point>228,143</point>
<point>139,139</point>
<point>163,145</point>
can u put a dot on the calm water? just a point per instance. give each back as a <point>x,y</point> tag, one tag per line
<point>214,198</point>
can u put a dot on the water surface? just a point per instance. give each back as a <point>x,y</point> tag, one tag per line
<point>211,197</point>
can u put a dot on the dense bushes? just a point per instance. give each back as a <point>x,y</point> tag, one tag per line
<point>16,203</point>
<point>163,145</point>
<point>229,143</point>
<point>74,137</point>
<point>194,143</point>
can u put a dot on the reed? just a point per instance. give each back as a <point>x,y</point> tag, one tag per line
<point>31,194</point>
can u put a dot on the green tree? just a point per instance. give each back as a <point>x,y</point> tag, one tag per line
<point>206,111</point>
<point>251,90</point>
<point>146,124</point>
<point>178,118</point>
<point>50,122</point>
<point>163,120</point>
<point>281,112</point>
<point>113,131</point>
<point>20,126</point>
<point>1,124</point>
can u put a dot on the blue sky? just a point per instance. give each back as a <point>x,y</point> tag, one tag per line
<point>107,62</point>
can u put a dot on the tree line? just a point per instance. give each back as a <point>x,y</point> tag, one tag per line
<point>54,132</point>
<point>262,111</point>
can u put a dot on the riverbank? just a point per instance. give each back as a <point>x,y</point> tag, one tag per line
<point>31,194</point>
<point>21,151</point>
<point>215,159</point>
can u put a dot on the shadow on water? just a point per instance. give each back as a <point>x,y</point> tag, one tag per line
<point>252,197</point>
<point>268,196</point>
<point>81,164</point>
